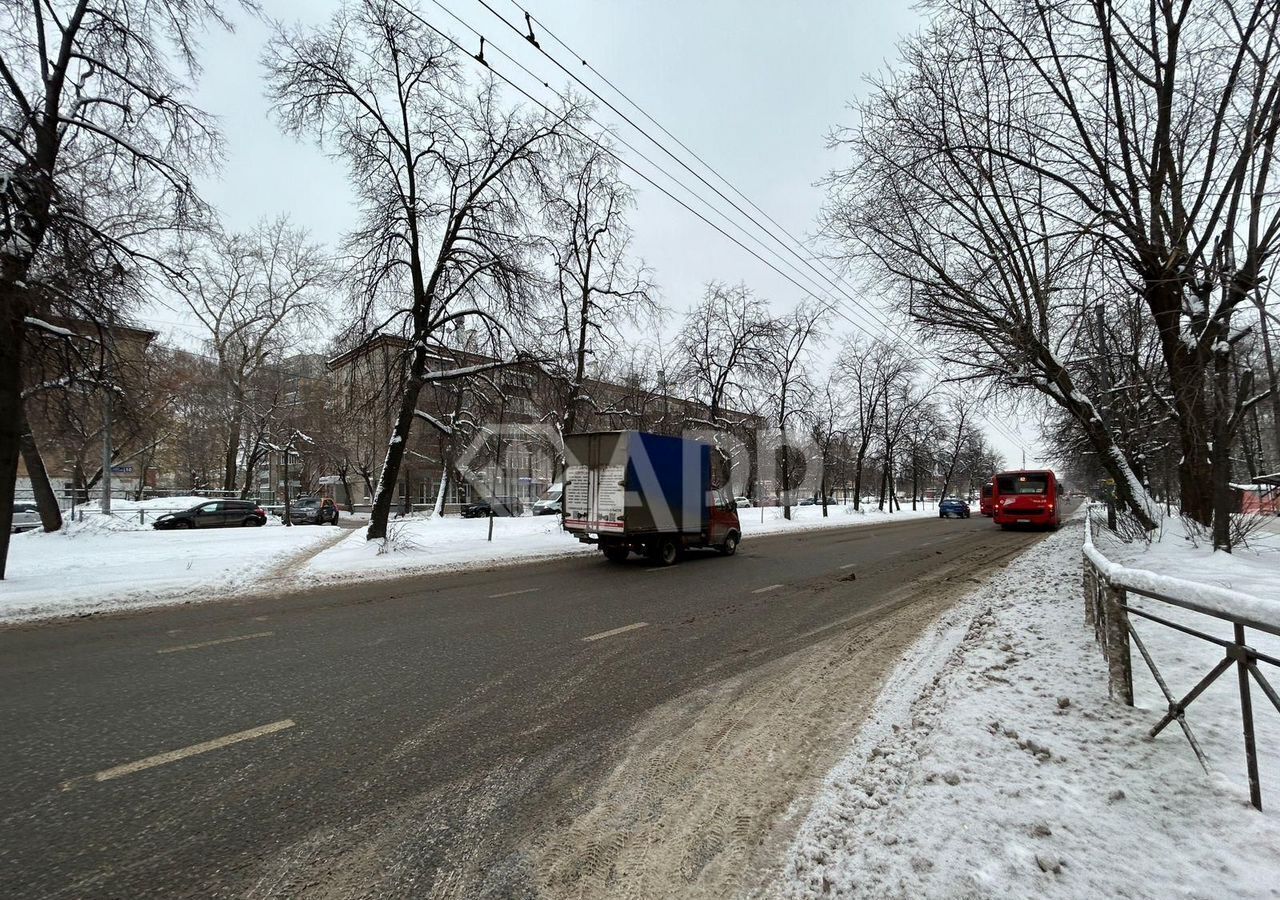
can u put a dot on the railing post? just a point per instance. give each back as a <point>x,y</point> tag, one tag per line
<point>1116,634</point>
<point>1089,614</point>
<point>1246,717</point>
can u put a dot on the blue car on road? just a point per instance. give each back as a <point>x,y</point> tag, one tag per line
<point>953,506</point>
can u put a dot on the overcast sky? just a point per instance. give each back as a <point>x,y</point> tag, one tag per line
<point>752,87</point>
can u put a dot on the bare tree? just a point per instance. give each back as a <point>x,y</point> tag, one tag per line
<point>1044,154</point>
<point>957,428</point>
<point>256,295</point>
<point>789,342</point>
<point>858,369</point>
<point>598,291</point>
<point>97,147</point>
<point>828,416</point>
<point>721,350</point>
<point>444,177</point>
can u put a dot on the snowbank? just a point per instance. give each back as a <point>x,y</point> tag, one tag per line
<point>1002,769</point>
<point>106,563</point>
<point>425,544</point>
<point>103,563</point>
<point>1206,581</point>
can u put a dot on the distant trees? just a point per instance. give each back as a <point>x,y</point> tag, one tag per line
<point>258,296</point>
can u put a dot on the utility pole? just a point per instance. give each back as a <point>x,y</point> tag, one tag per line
<point>106,452</point>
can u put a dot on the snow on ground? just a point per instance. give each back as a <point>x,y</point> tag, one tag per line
<point>109,563</point>
<point>996,764</point>
<point>424,544</point>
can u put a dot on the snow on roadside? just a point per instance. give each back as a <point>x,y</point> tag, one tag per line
<point>421,544</point>
<point>105,564</point>
<point>1003,768</point>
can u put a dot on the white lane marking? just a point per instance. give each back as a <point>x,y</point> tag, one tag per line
<point>661,570</point>
<point>766,588</point>
<point>848,565</point>
<point>612,631</point>
<point>194,750</point>
<point>514,593</point>
<point>230,640</point>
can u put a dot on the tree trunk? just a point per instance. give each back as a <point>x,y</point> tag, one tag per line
<point>13,311</point>
<point>231,460</point>
<point>46,499</point>
<point>1273,381</point>
<point>1187,378</point>
<point>822,485</point>
<point>1220,455</point>
<point>346,488</point>
<point>390,475</point>
<point>857,478</point>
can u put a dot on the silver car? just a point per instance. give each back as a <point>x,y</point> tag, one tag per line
<point>25,517</point>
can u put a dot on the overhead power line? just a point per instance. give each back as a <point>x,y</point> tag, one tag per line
<point>662,189</point>
<point>833,279</point>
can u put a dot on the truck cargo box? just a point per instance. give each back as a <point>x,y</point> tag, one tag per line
<point>634,483</point>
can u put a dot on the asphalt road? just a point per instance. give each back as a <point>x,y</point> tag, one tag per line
<point>475,705</point>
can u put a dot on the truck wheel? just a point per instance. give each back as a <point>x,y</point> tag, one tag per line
<point>664,552</point>
<point>615,552</point>
<point>730,545</point>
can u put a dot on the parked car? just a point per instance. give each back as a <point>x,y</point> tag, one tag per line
<point>549,503</point>
<point>953,506</point>
<point>494,506</point>
<point>742,502</point>
<point>25,517</point>
<point>215,514</point>
<point>313,511</point>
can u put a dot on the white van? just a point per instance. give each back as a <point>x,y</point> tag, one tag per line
<point>549,503</point>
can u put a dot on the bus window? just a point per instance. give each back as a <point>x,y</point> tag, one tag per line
<point>1024,484</point>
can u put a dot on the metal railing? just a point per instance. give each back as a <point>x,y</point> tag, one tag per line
<point>1106,589</point>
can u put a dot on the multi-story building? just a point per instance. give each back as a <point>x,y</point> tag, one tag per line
<point>82,400</point>
<point>506,423</point>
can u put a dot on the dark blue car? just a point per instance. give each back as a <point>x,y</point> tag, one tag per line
<point>953,506</point>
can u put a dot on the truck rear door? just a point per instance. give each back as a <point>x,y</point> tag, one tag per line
<point>595,490</point>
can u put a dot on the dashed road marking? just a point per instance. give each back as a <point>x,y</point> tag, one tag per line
<point>661,569</point>
<point>161,759</point>
<point>514,593</point>
<point>612,631</point>
<point>848,565</point>
<point>767,588</point>
<point>229,640</point>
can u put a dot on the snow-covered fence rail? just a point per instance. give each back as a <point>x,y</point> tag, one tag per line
<point>1106,589</point>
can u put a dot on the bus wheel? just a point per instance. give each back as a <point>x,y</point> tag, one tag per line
<point>615,552</point>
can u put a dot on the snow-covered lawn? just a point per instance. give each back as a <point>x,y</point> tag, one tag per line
<point>997,766</point>
<point>108,563</point>
<point>424,544</point>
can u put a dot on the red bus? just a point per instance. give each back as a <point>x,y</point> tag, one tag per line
<point>987,504</point>
<point>1026,497</point>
